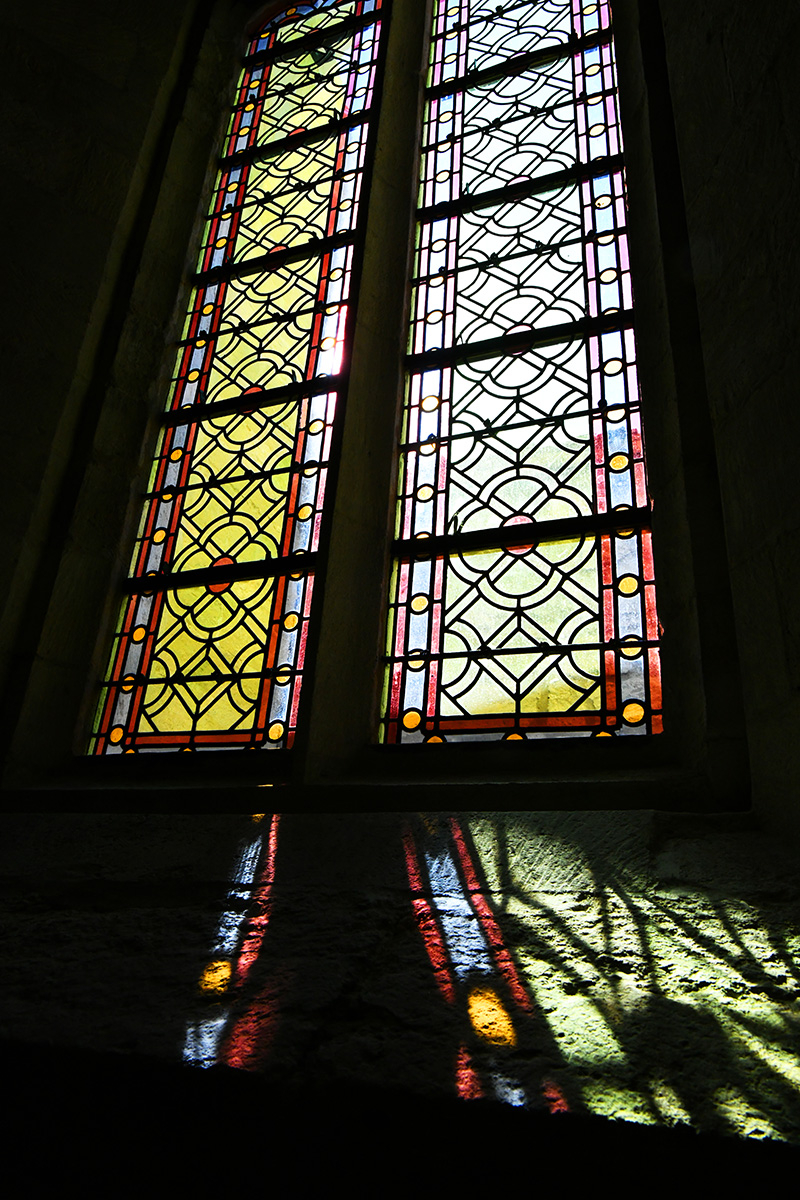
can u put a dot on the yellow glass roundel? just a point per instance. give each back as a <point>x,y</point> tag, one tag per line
<point>275,732</point>
<point>619,462</point>
<point>628,585</point>
<point>633,713</point>
<point>291,620</point>
<point>304,512</point>
<point>412,719</point>
<point>419,603</point>
<point>429,403</point>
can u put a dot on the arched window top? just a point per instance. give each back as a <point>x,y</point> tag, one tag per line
<point>282,24</point>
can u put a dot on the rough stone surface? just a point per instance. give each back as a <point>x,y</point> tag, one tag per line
<point>662,959</point>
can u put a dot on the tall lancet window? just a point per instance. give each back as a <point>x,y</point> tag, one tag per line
<point>522,600</point>
<point>209,648</point>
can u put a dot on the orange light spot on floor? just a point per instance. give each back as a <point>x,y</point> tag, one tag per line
<point>216,976</point>
<point>489,1018</point>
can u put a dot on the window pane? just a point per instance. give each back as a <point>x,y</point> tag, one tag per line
<point>209,647</point>
<point>522,599</point>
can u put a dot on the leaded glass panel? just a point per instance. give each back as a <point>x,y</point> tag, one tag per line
<point>209,648</point>
<point>522,599</point>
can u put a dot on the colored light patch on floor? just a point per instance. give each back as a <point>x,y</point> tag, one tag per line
<point>668,1003</point>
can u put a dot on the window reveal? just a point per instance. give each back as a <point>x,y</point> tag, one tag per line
<point>209,645</point>
<point>522,600</point>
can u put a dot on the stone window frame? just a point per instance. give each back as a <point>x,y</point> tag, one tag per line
<point>700,761</point>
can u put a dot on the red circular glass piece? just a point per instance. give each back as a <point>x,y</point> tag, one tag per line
<point>223,561</point>
<point>519,519</point>
<point>256,393</point>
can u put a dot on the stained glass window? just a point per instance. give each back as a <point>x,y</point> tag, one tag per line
<point>522,600</point>
<point>209,647</point>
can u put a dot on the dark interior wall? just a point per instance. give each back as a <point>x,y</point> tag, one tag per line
<point>86,89</point>
<point>735,90</point>
<point>112,118</point>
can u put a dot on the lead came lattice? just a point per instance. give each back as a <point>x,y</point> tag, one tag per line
<point>522,600</point>
<point>210,643</point>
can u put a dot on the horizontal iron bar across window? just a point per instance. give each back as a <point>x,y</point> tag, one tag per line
<point>207,485</point>
<point>606,165</point>
<point>518,343</point>
<point>264,568</point>
<point>532,533</point>
<point>519,114</point>
<point>296,46</point>
<point>271,320</point>
<point>532,423</point>
<point>287,193</point>
<point>304,137</point>
<point>497,260</point>
<point>274,260</point>
<point>214,676</point>
<point>249,402</point>
<point>533,648</point>
<point>518,64</point>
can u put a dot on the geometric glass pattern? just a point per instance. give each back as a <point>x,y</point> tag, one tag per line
<point>209,646</point>
<point>522,598</point>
